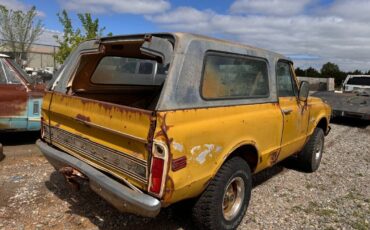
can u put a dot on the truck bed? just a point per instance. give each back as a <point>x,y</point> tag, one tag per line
<point>346,104</point>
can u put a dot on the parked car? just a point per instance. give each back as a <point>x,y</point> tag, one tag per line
<point>353,101</point>
<point>356,83</point>
<point>20,98</point>
<point>222,112</point>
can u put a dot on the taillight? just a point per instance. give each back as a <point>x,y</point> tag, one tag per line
<point>157,172</point>
<point>158,168</point>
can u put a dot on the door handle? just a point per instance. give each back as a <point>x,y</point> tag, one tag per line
<point>287,111</point>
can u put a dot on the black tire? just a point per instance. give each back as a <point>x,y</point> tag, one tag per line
<point>208,211</point>
<point>310,157</point>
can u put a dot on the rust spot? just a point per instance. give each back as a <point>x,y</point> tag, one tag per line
<point>107,105</point>
<point>72,176</point>
<point>274,156</point>
<point>13,100</point>
<point>164,130</point>
<point>83,117</point>
<point>153,123</point>
<point>168,191</point>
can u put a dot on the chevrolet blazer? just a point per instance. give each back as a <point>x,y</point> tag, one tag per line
<point>151,120</point>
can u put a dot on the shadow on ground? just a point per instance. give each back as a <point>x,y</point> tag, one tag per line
<point>19,138</point>
<point>353,122</point>
<point>86,203</point>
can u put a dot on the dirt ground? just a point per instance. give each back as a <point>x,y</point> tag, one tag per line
<point>337,196</point>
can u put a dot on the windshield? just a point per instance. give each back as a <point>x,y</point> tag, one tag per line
<point>359,81</point>
<point>21,71</point>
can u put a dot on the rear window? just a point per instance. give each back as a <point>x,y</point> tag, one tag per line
<point>229,76</point>
<point>359,81</point>
<point>129,71</point>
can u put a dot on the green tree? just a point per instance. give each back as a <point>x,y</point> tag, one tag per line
<point>332,70</point>
<point>356,72</point>
<point>19,30</point>
<point>312,72</point>
<point>299,72</point>
<point>72,37</point>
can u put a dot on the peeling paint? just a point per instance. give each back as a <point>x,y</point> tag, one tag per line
<point>201,158</point>
<point>200,152</point>
<point>195,149</point>
<point>177,146</point>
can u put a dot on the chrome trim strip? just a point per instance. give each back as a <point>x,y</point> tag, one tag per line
<point>122,162</point>
<point>88,123</point>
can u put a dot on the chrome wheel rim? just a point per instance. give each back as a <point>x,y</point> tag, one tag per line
<point>233,198</point>
<point>318,149</point>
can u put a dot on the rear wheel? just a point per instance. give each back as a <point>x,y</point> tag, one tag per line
<point>224,203</point>
<point>310,157</point>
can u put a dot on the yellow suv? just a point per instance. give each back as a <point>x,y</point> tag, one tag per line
<point>151,120</point>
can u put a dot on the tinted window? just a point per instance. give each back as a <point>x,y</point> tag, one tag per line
<point>359,81</point>
<point>234,77</point>
<point>285,83</point>
<point>128,71</point>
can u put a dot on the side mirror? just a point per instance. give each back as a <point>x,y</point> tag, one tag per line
<point>304,88</point>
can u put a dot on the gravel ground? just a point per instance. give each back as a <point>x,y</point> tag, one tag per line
<point>337,196</point>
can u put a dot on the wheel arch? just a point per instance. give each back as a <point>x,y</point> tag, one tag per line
<point>248,152</point>
<point>323,124</point>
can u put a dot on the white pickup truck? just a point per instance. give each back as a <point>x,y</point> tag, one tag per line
<point>353,101</point>
<point>356,83</point>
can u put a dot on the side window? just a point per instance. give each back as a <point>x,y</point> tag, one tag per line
<point>284,79</point>
<point>227,77</point>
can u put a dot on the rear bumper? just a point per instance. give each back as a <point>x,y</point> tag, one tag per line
<point>117,194</point>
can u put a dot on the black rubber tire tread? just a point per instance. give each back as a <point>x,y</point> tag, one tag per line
<point>306,158</point>
<point>207,211</point>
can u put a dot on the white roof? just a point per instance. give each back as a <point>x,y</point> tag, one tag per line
<point>4,56</point>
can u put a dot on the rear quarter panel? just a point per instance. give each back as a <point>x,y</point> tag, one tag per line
<point>207,136</point>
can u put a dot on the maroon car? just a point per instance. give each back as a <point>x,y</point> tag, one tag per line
<point>20,98</point>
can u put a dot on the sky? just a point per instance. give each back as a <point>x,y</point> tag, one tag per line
<point>311,32</point>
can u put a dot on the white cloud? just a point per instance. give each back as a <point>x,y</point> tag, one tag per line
<point>116,6</point>
<point>269,7</point>
<point>328,34</point>
<point>351,9</point>
<point>18,5</point>
<point>47,37</point>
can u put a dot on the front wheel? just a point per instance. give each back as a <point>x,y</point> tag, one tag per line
<point>310,157</point>
<point>224,203</point>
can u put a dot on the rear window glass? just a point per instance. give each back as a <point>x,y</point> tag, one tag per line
<point>227,77</point>
<point>359,81</point>
<point>129,71</point>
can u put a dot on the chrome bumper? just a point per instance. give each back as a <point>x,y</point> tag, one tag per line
<point>117,194</point>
